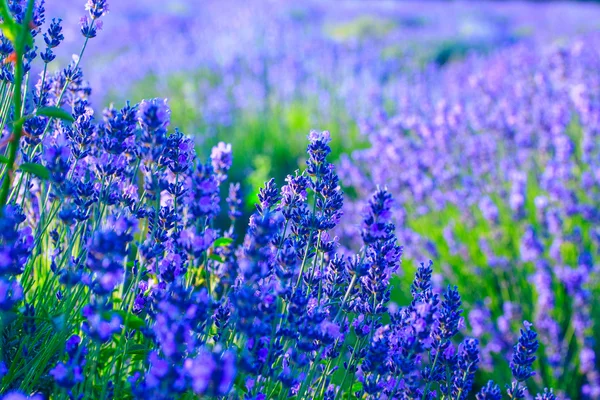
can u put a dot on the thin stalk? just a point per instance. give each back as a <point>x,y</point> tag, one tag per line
<point>42,84</point>
<point>15,140</point>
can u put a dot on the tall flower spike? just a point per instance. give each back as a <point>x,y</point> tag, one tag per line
<point>450,311</point>
<point>442,350</point>
<point>377,218</point>
<point>154,114</point>
<point>221,159</point>
<point>522,361</point>
<point>96,8</point>
<point>490,391</point>
<point>422,282</point>
<point>267,197</point>
<point>468,360</point>
<point>546,395</point>
<point>54,36</point>
<point>318,150</point>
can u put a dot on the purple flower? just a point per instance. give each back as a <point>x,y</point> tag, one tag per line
<point>15,244</point>
<point>522,361</point>
<point>154,114</point>
<point>54,36</point>
<point>221,159</point>
<point>15,395</point>
<point>89,28</point>
<point>211,375</point>
<point>96,8</point>
<point>11,293</point>
<point>463,377</point>
<point>331,330</point>
<point>235,202</point>
<point>100,323</point>
<point>69,373</point>
<point>200,369</point>
<point>106,253</point>
<point>490,391</point>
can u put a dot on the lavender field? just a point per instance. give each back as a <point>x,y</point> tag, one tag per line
<point>299,200</point>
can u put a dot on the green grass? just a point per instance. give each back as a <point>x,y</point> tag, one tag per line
<point>364,27</point>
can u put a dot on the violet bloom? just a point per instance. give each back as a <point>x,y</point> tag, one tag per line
<point>16,243</point>
<point>100,323</point>
<point>522,361</point>
<point>221,159</point>
<point>211,375</point>
<point>96,8</point>
<point>70,372</point>
<point>107,250</point>
<point>16,395</point>
<point>11,293</point>
<point>154,114</point>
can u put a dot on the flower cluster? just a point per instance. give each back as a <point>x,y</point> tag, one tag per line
<point>117,280</point>
<point>499,179</point>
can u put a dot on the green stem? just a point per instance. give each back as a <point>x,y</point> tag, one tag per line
<point>6,16</point>
<point>426,391</point>
<point>14,142</point>
<point>64,89</point>
<point>42,84</point>
<point>352,282</point>
<point>356,346</point>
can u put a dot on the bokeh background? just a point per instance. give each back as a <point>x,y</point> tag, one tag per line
<point>260,74</point>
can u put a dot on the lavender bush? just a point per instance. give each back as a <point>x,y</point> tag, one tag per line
<point>116,282</point>
<point>494,162</point>
<point>246,72</point>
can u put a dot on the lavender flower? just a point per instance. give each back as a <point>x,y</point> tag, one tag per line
<point>96,8</point>
<point>68,374</point>
<point>221,158</point>
<point>490,391</point>
<point>111,240</point>
<point>11,293</point>
<point>546,395</point>
<point>15,395</point>
<point>522,361</point>
<point>154,114</point>
<point>468,359</point>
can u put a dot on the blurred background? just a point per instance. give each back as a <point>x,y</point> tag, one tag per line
<point>260,74</point>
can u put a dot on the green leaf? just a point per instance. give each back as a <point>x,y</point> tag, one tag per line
<point>55,112</point>
<point>10,29</point>
<point>216,257</point>
<point>222,242</point>
<point>357,386</point>
<point>36,169</point>
<point>131,321</point>
<point>136,348</point>
<point>3,159</point>
<point>13,31</point>
<point>106,354</point>
<point>138,357</point>
<point>4,11</point>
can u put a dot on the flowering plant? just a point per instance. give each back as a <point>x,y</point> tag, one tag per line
<point>115,281</point>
